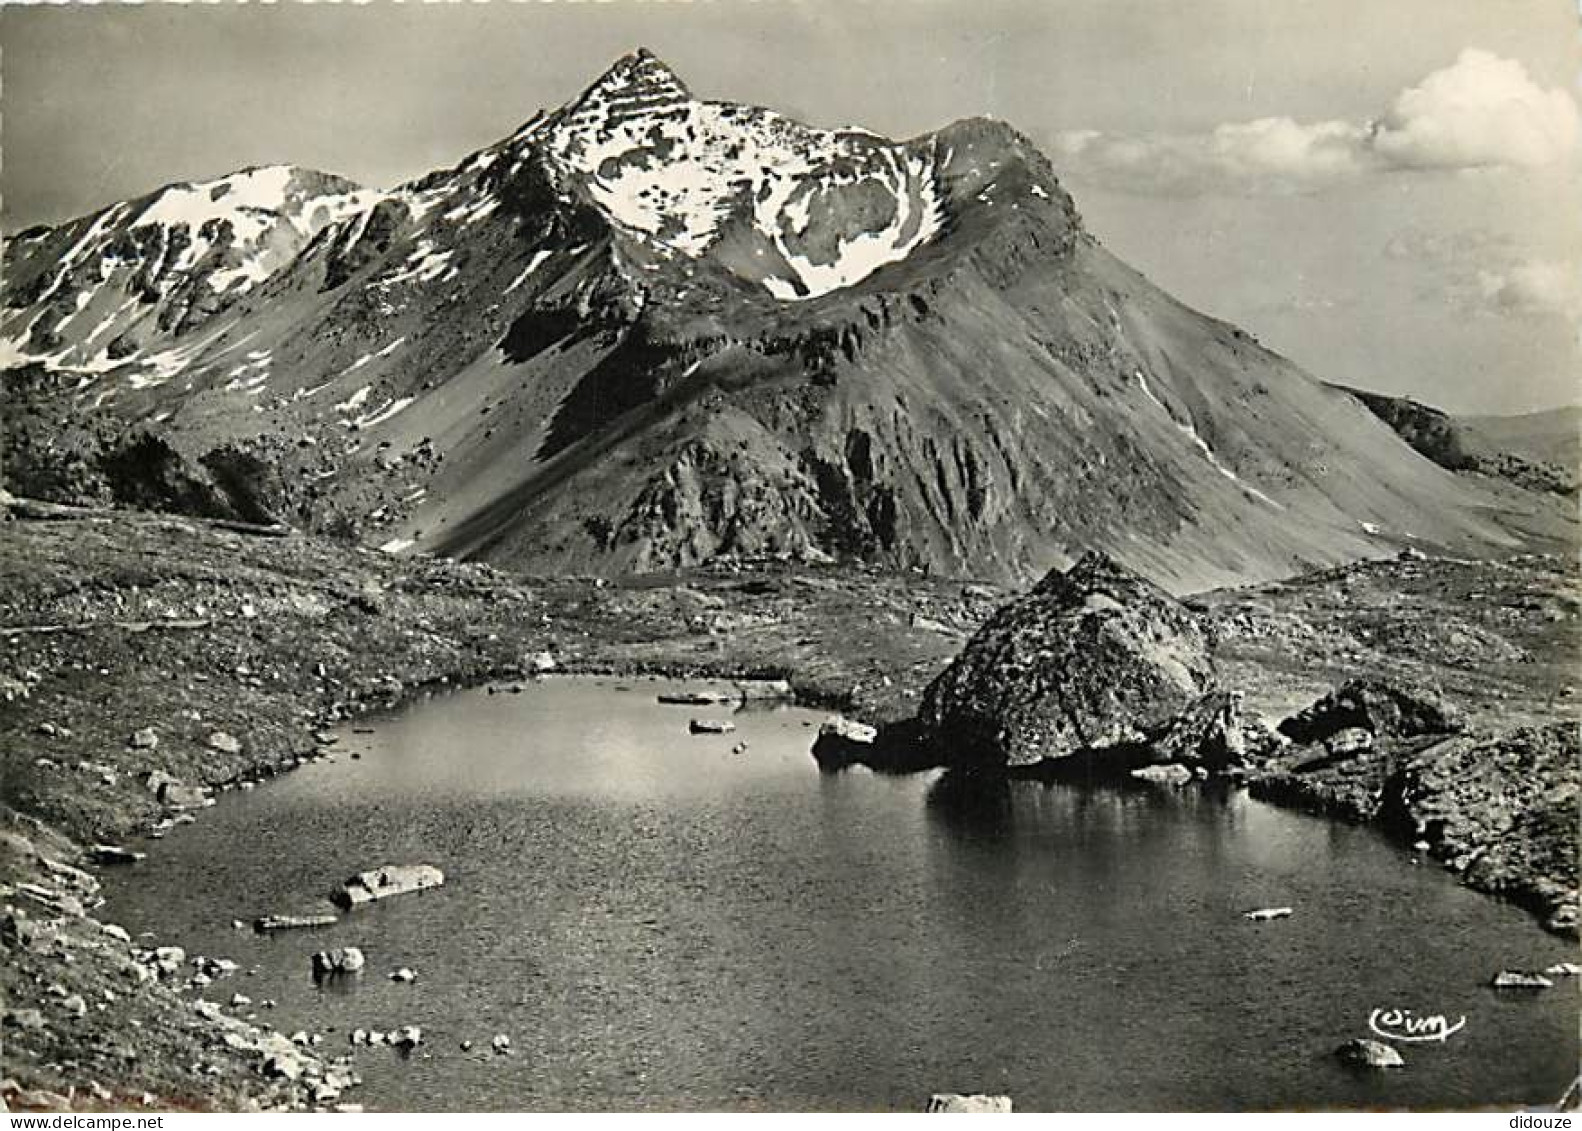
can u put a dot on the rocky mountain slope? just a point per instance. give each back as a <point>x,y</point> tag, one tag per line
<point>647,331</point>
<point>115,284</point>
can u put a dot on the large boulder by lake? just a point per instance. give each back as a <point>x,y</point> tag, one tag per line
<point>1091,659</point>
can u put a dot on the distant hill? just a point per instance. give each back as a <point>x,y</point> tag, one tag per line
<point>1537,452</point>
<point>1552,436</point>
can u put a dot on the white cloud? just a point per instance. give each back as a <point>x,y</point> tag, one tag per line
<point>1535,287</point>
<point>1482,272</point>
<point>1271,154</point>
<point>1482,111</point>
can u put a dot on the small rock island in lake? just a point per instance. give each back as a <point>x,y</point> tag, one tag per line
<point>382,883</point>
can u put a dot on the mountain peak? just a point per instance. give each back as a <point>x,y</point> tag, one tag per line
<point>638,79</point>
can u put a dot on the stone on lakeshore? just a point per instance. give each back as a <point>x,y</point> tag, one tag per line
<point>168,959</point>
<point>176,796</point>
<point>157,780</point>
<point>224,743</point>
<point>113,854</point>
<point>283,1066</point>
<point>956,1103</point>
<point>1348,741</point>
<point>761,690</point>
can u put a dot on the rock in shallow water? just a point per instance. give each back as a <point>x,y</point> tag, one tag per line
<point>386,881</point>
<point>341,960</point>
<point>710,726</point>
<point>1363,1053</point>
<point>842,741</point>
<point>1173,774</point>
<point>266,923</point>
<point>1266,914</point>
<point>1519,980</point>
<point>695,698</point>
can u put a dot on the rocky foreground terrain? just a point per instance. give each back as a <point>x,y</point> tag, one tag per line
<point>150,663</point>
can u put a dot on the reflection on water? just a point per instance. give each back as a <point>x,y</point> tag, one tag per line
<point>658,921</point>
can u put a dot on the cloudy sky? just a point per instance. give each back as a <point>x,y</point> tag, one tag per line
<point>1390,193</point>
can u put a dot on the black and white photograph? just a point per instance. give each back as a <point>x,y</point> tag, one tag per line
<point>790,556</point>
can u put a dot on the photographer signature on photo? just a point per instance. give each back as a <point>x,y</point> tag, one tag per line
<point>1405,1025</point>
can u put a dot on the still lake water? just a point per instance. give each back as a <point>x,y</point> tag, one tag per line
<point>660,923</point>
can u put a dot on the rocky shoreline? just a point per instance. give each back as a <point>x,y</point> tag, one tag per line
<point>131,640</point>
<point>1095,674</point>
<point>149,663</point>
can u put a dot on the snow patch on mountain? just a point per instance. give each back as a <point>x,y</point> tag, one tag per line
<point>532,265</point>
<point>425,264</point>
<point>1189,430</point>
<point>355,401</point>
<point>676,170</point>
<point>381,414</point>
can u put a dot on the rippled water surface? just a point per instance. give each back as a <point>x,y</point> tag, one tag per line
<point>658,922</point>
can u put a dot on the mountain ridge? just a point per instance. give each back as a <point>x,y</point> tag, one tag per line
<point>644,331</point>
